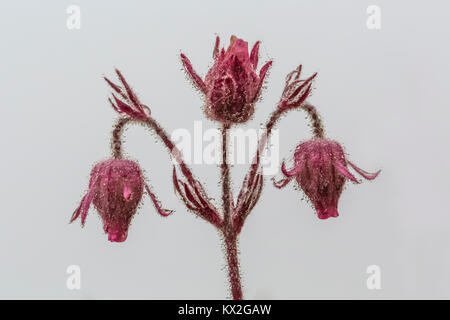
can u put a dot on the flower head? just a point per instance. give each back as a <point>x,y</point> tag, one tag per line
<point>128,102</point>
<point>116,187</point>
<point>232,85</point>
<point>296,90</point>
<point>320,168</point>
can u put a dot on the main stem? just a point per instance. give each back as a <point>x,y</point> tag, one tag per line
<point>229,232</point>
<point>233,266</point>
<point>226,190</point>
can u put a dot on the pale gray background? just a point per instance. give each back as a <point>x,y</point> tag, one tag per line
<point>383,94</point>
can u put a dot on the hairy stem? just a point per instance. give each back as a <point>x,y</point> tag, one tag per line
<point>225,174</point>
<point>116,143</point>
<point>116,138</point>
<point>316,124</point>
<point>233,266</point>
<point>314,117</point>
<point>228,229</point>
<point>116,149</point>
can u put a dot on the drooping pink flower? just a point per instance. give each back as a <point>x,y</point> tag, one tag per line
<point>115,187</point>
<point>231,86</point>
<point>320,168</point>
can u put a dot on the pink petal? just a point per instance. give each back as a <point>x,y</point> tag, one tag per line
<point>292,172</point>
<point>176,184</point>
<point>263,71</point>
<point>254,55</point>
<point>281,183</point>
<point>156,203</point>
<point>262,75</point>
<point>327,213</point>
<point>117,236</point>
<point>222,54</point>
<point>126,192</point>
<point>216,47</point>
<point>124,108</point>
<point>302,86</point>
<point>299,101</point>
<point>85,204</point>
<point>297,73</point>
<point>239,49</point>
<point>332,212</point>
<point>344,171</point>
<point>77,212</point>
<point>114,106</point>
<point>115,87</point>
<point>194,76</point>
<point>365,174</point>
<point>87,199</point>
<point>190,196</point>
<point>133,98</point>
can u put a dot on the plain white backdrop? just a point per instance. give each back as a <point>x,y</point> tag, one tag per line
<point>382,93</point>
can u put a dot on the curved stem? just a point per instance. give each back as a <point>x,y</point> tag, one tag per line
<point>116,144</point>
<point>116,138</point>
<point>316,124</point>
<point>116,149</point>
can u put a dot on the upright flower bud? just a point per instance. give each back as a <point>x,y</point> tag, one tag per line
<point>231,86</point>
<point>320,168</point>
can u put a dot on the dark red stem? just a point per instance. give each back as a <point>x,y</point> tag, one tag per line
<point>116,148</point>
<point>116,138</point>
<point>318,132</point>
<point>228,230</point>
<point>314,117</point>
<point>316,124</point>
<point>226,189</point>
<point>233,266</point>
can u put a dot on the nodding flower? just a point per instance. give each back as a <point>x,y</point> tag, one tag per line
<point>320,168</point>
<point>115,188</point>
<point>231,86</point>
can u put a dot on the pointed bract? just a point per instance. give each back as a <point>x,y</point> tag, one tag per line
<point>196,79</point>
<point>128,102</point>
<point>254,55</point>
<point>296,91</point>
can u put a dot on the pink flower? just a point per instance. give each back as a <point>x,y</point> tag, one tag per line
<point>320,168</point>
<point>232,86</point>
<point>116,187</point>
